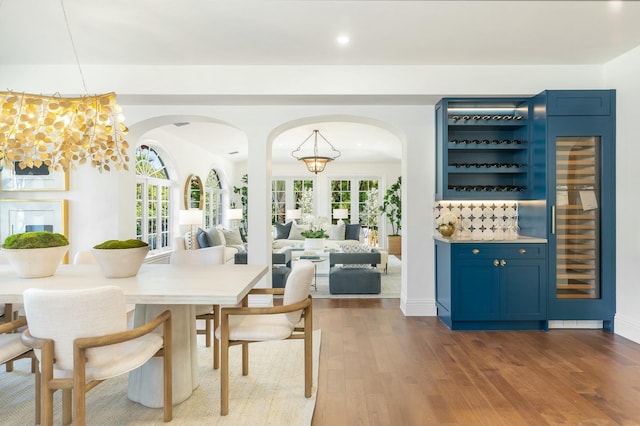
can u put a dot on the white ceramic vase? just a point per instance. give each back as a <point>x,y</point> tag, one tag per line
<point>36,262</point>
<point>314,243</point>
<point>120,263</point>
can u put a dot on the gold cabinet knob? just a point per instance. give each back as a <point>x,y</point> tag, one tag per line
<point>503,262</point>
<point>495,262</point>
<point>522,251</point>
<point>475,251</point>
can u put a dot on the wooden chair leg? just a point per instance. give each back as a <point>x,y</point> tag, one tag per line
<point>216,342</point>
<point>66,407</point>
<point>46,394</point>
<point>308,352</point>
<point>224,371</point>
<point>207,332</point>
<point>79,386</point>
<point>38,394</point>
<point>245,359</point>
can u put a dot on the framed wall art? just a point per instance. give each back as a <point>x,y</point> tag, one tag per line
<point>18,216</point>
<point>33,179</point>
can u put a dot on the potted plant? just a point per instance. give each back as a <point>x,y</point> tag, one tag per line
<point>315,236</point>
<point>35,254</point>
<point>392,208</point>
<point>120,258</point>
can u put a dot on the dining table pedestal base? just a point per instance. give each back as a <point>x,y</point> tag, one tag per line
<point>146,382</point>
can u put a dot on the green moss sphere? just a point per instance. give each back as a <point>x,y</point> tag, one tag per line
<point>120,244</point>
<point>32,240</point>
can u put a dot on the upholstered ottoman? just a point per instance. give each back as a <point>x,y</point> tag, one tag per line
<point>354,280</point>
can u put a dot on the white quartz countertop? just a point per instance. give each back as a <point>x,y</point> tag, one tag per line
<point>520,240</point>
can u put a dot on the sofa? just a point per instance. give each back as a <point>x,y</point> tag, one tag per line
<point>290,234</point>
<point>230,239</point>
<point>355,273</point>
<point>280,268</point>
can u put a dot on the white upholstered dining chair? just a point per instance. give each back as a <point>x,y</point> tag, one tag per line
<point>203,256</point>
<point>12,349</point>
<point>81,339</point>
<point>292,320</point>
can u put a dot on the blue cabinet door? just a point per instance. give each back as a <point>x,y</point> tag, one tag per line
<point>475,287</point>
<point>523,290</point>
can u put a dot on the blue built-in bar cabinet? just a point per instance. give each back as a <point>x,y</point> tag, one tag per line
<point>551,157</point>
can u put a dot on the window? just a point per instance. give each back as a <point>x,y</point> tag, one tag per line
<point>368,203</point>
<point>153,199</point>
<point>341,195</point>
<point>212,200</point>
<point>290,194</point>
<point>278,201</point>
<point>360,197</point>
<point>303,195</point>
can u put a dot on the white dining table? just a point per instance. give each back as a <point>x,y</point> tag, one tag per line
<point>155,288</point>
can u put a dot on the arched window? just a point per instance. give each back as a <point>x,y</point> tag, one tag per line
<point>212,200</point>
<point>153,199</point>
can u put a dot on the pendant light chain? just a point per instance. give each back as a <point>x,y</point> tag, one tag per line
<point>73,45</point>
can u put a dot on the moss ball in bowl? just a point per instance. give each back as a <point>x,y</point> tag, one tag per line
<point>120,258</point>
<point>35,254</point>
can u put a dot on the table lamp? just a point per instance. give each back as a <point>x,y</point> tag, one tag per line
<point>191,217</point>
<point>234,216</point>
<point>340,214</point>
<point>294,215</point>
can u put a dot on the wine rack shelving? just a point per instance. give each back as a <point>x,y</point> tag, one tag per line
<point>483,149</point>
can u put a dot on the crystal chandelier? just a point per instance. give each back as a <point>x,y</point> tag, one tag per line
<point>62,132</point>
<point>315,163</point>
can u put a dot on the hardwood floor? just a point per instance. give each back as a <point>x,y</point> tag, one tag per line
<point>378,367</point>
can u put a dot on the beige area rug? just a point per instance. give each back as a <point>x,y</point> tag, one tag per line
<point>390,284</point>
<point>272,393</point>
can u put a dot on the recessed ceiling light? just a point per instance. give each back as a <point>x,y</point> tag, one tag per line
<point>343,39</point>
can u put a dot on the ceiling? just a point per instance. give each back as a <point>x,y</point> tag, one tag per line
<point>304,32</point>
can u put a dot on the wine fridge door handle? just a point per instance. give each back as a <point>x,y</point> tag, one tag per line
<point>553,219</point>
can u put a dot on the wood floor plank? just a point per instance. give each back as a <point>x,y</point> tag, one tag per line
<point>378,367</point>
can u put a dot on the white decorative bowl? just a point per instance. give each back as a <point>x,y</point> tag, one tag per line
<point>36,262</point>
<point>120,263</point>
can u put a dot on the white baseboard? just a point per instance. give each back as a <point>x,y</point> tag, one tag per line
<point>418,307</point>
<point>627,328</point>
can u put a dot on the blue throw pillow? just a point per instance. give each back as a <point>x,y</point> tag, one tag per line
<point>352,231</point>
<point>282,231</point>
<point>203,239</point>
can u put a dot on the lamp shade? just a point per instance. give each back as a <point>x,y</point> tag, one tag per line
<point>340,213</point>
<point>190,217</point>
<point>294,214</point>
<point>235,214</point>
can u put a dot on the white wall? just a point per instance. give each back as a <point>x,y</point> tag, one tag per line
<point>622,74</point>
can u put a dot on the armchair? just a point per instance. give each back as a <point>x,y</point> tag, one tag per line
<point>292,320</point>
<point>82,340</point>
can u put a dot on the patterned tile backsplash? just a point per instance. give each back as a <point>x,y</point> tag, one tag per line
<point>481,220</point>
